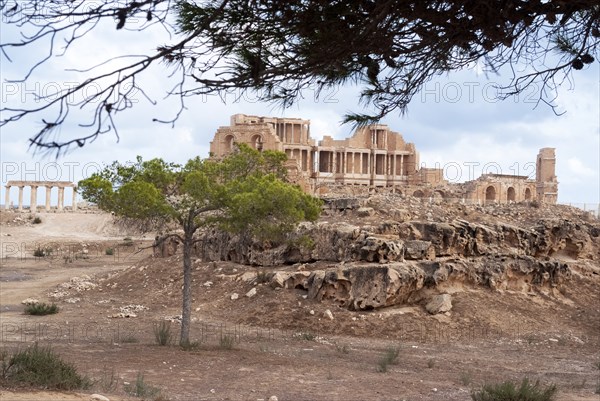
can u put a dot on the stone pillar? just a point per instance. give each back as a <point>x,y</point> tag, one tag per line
<point>401,164</point>
<point>61,197</point>
<point>48,193</point>
<point>7,198</point>
<point>33,199</point>
<point>20,207</point>
<point>74,207</point>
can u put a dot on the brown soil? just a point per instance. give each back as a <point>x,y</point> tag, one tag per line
<point>283,343</point>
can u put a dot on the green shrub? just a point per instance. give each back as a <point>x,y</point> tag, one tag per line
<point>40,367</point>
<point>41,309</point>
<point>226,342</point>
<point>511,391</point>
<point>109,251</point>
<point>466,378</point>
<point>141,388</point>
<point>263,276</point>
<point>431,363</point>
<point>109,380</point>
<point>37,220</point>
<point>162,333</point>
<point>390,357</point>
<point>40,252</point>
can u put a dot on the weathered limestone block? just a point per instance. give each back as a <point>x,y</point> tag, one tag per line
<point>400,214</point>
<point>364,287</point>
<point>290,279</point>
<point>560,237</point>
<point>381,250</point>
<point>439,304</point>
<point>418,250</point>
<point>441,235</point>
<point>335,242</point>
<point>365,212</point>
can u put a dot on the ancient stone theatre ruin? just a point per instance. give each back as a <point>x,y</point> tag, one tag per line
<point>375,157</point>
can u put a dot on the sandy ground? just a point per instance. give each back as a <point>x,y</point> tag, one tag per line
<point>279,347</point>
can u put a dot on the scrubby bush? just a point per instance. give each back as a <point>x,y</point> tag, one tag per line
<point>37,220</point>
<point>40,252</point>
<point>140,388</point>
<point>162,333</point>
<point>390,357</point>
<point>263,276</point>
<point>41,367</point>
<point>109,251</point>
<point>226,342</point>
<point>41,309</point>
<point>511,391</point>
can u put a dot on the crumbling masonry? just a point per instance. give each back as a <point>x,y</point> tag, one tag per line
<point>376,157</point>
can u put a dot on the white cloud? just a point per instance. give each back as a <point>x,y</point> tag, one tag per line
<point>582,171</point>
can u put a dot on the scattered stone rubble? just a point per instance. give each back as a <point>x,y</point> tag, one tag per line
<point>129,311</point>
<point>75,284</point>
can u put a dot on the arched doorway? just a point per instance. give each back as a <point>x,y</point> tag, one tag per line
<point>229,141</point>
<point>527,194</point>
<point>438,195</point>
<point>490,194</point>
<point>256,142</point>
<point>510,194</point>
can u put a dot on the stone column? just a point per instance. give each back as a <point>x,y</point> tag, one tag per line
<point>74,207</point>
<point>401,164</point>
<point>48,194</point>
<point>61,197</point>
<point>20,207</point>
<point>33,199</point>
<point>7,198</point>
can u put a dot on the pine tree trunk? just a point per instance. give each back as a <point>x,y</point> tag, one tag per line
<point>186,311</point>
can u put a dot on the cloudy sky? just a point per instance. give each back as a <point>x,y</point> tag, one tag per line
<point>455,122</point>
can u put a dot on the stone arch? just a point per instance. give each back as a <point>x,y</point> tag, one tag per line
<point>490,194</point>
<point>256,142</point>
<point>511,195</point>
<point>418,193</point>
<point>527,194</point>
<point>229,142</point>
<point>438,195</point>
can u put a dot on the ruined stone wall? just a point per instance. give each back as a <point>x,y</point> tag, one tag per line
<point>546,182</point>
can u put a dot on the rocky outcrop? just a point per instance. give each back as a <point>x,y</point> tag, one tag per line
<point>362,286</point>
<point>398,262</point>
<point>394,241</point>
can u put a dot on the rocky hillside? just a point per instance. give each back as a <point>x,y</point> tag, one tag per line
<point>385,250</point>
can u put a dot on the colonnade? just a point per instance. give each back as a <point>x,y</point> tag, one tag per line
<point>34,185</point>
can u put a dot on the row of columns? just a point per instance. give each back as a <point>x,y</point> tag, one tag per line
<point>33,200</point>
<point>297,134</point>
<point>354,163</point>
